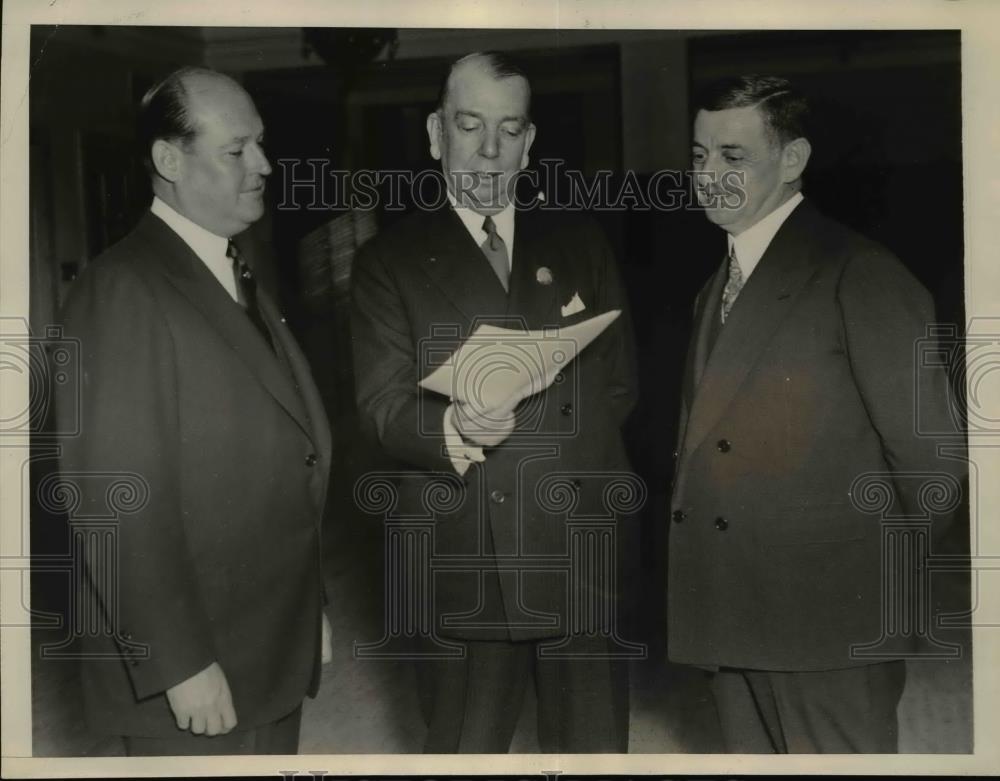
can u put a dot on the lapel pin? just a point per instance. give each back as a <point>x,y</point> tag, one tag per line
<point>543,275</point>
<point>783,296</point>
<point>431,260</point>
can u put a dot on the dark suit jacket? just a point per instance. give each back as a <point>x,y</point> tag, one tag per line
<point>420,289</point>
<point>811,384</point>
<point>222,561</point>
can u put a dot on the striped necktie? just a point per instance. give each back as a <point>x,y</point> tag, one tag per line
<point>246,292</point>
<point>496,252</point>
<point>734,284</point>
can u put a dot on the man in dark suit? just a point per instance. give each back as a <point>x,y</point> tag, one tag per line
<point>421,288</point>
<point>194,386</point>
<point>800,379</point>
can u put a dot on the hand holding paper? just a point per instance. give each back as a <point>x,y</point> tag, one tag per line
<point>486,428</point>
<point>496,368</point>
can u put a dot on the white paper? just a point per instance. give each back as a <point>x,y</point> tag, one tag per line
<point>497,365</point>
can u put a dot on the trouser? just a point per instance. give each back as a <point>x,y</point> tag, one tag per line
<point>472,705</point>
<point>852,710</point>
<point>278,737</point>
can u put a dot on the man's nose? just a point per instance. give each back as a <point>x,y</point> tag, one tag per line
<point>490,147</point>
<point>707,174</point>
<point>259,161</point>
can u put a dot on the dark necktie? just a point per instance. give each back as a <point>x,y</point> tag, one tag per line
<point>496,252</point>
<point>734,284</point>
<point>246,292</point>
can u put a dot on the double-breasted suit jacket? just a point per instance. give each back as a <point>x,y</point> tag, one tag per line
<point>220,561</point>
<point>420,289</point>
<point>775,561</point>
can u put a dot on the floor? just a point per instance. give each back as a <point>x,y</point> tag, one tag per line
<point>370,706</point>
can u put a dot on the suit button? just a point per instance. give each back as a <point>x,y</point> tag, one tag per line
<point>559,378</point>
<point>676,455</point>
<point>721,524</point>
<point>311,459</point>
<point>497,496</point>
<point>134,662</point>
<point>566,409</point>
<point>576,485</point>
<point>678,516</point>
<point>126,636</point>
<point>724,445</point>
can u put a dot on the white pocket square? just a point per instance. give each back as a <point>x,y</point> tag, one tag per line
<point>575,305</point>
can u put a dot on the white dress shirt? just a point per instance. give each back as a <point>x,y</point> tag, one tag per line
<point>751,244</point>
<point>473,223</point>
<point>211,249</point>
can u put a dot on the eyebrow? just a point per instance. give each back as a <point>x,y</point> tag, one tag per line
<point>477,115</point>
<point>243,139</point>
<point>722,146</point>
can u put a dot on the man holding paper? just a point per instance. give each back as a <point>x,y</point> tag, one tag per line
<point>424,288</point>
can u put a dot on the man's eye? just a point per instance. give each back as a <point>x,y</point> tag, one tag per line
<point>468,127</point>
<point>236,152</point>
<point>734,159</point>
<point>513,130</point>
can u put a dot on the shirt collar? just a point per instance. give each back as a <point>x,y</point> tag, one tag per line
<point>202,241</point>
<point>753,242</point>
<point>473,222</point>
<point>211,249</point>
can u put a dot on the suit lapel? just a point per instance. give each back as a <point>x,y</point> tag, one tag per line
<point>764,302</point>
<point>459,268</point>
<point>185,271</point>
<point>528,297</point>
<point>307,392</point>
<point>706,316</point>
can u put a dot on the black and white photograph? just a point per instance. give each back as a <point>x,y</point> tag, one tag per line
<point>393,386</point>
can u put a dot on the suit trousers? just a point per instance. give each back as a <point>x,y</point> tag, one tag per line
<point>471,705</point>
<point>278,737</point>
<point>846,711</point>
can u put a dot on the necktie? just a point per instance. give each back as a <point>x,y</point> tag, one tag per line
<point>734,284</point>
<point>496,252</point>
<point>246,292</point>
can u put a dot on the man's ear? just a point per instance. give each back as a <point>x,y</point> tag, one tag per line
<point>167,160</point>
<point>529,139</point>
<point>434,131</point>
<point>794,158</point>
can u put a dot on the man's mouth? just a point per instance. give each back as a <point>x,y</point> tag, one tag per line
<point>480,178</point>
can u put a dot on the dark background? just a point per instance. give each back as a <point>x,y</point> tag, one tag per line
<point>886,160</point>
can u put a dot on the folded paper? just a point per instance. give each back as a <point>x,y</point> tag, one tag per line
<point>497,365</point>
<point>575,305</point>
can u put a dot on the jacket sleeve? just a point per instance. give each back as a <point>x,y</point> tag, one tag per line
<point>885,313</point>
<point>407,421</point>
<point>129,426</point>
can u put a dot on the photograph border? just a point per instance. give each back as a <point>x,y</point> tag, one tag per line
<point>979,22</point>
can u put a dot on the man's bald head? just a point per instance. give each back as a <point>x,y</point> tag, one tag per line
<point>165,110</point>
